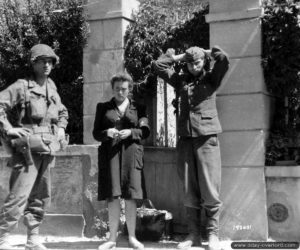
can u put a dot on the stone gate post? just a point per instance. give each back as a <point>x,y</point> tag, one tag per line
<point>103,55</point>
<point>245,111</point>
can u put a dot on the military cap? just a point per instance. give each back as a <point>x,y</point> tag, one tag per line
<point>193,54</point>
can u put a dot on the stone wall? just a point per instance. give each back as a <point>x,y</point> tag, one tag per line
<point>283,185</point>
<point>74,202</point>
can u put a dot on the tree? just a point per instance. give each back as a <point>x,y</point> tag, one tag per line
<point>157,28</point>
<point>281,64</point>
<point>61,25</point>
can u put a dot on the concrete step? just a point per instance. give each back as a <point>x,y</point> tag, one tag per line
<point>94,245</point>
<point>80,243</point>
<point>58,225</point>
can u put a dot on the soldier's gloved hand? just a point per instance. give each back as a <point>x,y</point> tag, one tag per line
<point>61,135</point>
<point>18,132</point>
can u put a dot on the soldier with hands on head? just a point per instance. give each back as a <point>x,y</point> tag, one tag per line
<point>199,161</point>
<point>32,137</point>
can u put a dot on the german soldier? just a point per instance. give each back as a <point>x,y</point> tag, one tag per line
<point>199,164</point>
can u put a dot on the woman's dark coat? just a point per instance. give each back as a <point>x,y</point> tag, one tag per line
<point>121,162</point>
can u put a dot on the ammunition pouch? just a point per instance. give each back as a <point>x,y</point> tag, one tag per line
<point>41,140</point>
<point>37,105</point>
<point>41,143</point>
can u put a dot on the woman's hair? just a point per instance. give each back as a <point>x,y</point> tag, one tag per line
<point>122,77</point>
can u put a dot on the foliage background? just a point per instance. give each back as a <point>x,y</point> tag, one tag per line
<point>157,28</point>
<point>61,25</point>
<point>160,25</point>
<point>281,64</point>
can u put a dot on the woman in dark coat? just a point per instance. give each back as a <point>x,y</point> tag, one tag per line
<point>120,125</point>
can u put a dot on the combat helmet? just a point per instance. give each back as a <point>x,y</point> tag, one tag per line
<point>43,50</point>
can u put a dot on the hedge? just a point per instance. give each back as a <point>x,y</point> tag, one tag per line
<point>61,25</point>
<point>281,64</point>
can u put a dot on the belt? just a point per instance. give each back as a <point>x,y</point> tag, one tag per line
<point>39,129</point>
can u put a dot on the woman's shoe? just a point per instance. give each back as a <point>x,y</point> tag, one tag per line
<point>107,245</point>
<point>135,244</point>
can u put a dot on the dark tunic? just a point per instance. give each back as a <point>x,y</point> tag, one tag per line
<point>199,158</point>
<point>198,114</point>
<point>121,162</point>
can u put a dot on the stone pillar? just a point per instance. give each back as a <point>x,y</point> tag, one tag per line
<point>103,55</point>
<point>245,111</point>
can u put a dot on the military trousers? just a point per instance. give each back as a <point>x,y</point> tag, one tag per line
<point>29,194</point>
<point>199,168</point>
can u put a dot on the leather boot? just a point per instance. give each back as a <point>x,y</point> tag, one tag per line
<point>213,242</point>
<point>33,242</point>
<point>193,238</point>
<point>212,229</point>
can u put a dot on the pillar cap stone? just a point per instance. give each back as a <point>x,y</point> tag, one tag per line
<point>236,15</point>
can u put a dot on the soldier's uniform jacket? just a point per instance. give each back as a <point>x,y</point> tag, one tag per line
<point>196,95</point>
<point>29,104</point>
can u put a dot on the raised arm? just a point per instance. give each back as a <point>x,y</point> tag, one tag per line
<point>220,67</point>
<point>147,87</point>
<point>163,67</point>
